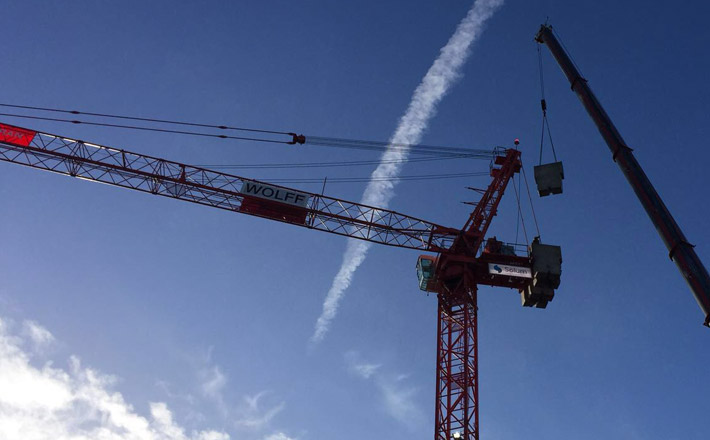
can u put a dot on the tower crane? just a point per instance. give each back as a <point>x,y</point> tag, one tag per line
<point>680,251</point>
<point>461,262</point>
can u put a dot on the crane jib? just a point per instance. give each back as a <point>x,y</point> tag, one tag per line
<point>207,187</point>
<point>16,135</point>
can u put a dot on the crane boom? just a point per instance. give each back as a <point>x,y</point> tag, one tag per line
<point>199,185</point>
<point>680,250</point>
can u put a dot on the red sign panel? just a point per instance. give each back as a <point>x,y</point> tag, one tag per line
<point>16,135</point>
<point>274,210</point>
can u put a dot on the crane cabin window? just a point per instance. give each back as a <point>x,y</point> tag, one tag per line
<point>425,271</point>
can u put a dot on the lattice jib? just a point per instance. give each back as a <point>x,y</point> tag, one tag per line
<point>207,187</point>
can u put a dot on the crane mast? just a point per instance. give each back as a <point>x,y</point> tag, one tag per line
<point>679,249</point>
<point>457,276</point>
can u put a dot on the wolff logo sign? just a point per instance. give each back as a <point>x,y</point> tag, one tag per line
<point>276,194</point>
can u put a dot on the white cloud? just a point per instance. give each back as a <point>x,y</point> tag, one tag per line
<point>399,401</point>
<point>366,370</point>
<point>213,382</point>
<point>379,191</point>
<point>253,401</point>
<point>165,387</point>
<point>211,435</point>
<point>77,403</point>
<point>39,336</point>
<point>279,436</point>
<point>359,367</point>
<point>254,415</point>
<point>396,396</point>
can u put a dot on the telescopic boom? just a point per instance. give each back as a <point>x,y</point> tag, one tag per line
<point>680,250</point>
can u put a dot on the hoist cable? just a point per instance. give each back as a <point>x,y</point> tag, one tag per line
<point>293,138</point>
<point>372,179</point>
<point>532,207</point>
<point>522,221</point>
<point>549,135</point>
<point>543,105</point>
<point>136,118</point>
<point>520,212</point>
<point>336,142</point>
<point>539,67</point>
<point>331,164</point>
<point>133,127</point>
<point>569,54</point>
<point>403,148</point>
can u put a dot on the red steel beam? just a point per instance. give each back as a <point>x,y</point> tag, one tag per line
<point>457,363</point>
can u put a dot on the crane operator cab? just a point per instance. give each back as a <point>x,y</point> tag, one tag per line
<point>425,272</point>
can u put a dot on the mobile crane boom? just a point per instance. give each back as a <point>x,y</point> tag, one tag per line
<point>679,249</point>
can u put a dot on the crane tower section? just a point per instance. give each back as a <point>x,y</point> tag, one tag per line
<point>454,275</point>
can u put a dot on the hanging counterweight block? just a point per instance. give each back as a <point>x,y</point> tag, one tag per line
<point>546,271</point>
<point>548,178</point>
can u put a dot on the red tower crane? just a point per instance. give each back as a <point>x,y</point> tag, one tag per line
<point>453,274</point>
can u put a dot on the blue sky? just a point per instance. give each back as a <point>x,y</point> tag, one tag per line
<point>201,318</point>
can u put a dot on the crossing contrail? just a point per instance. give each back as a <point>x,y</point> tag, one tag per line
<point>380,190</point>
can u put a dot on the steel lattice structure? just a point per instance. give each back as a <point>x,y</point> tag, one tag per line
<point>206,187</point>
<point>460,265</point>
<point>458,275</point>
<point>457,366</point>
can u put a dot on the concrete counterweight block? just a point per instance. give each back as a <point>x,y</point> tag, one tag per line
<point>546,264</point>
<point>536,296</point>
<point>549,178</point>
<point>546,272</point>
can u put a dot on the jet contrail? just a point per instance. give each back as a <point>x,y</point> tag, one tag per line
<point>379,191</point>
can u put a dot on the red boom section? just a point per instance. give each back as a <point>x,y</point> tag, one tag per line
<point>480,219</point>
<point>206,187</point>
